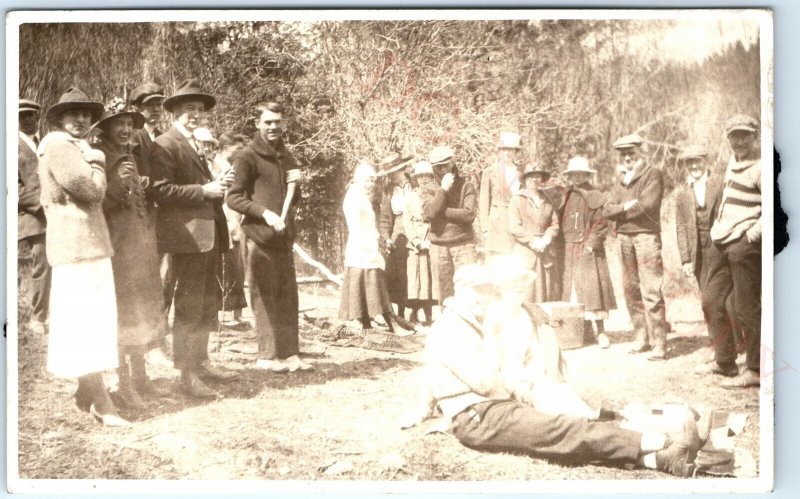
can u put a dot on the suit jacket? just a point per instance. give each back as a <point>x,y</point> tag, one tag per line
<point>686,216</point>
<point>31,215</point>
<point>647,186</point>
<point>187,222</point>
<point>495,197</point>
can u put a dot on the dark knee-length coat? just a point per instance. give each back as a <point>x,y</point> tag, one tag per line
<point>583,226</point>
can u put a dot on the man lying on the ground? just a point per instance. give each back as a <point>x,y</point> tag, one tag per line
<point>464,382</point>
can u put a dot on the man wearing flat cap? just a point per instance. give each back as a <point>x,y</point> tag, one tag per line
<point>449,204</point>
<point>32,223</point>
<point>635,206</point>
<point>191,226</point>
<point>735,265</point>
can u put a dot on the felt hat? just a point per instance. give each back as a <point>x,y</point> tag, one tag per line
<point>579,164</point>
<point>393,162</point>
<point>190,90</point>
<point>440,154</point>
<point>692,152</point>
<point>146,92</point>
<point>628,141</point>
<point>509,140</point>
<point>472,275</point>
<point>422,168</point>
<point>741,122</point>
<point>27,105</point>
<point>74,98</point>
<point>117,108</point>
<point>535,170</point>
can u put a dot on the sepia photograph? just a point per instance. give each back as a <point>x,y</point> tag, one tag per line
<point>390,251</point>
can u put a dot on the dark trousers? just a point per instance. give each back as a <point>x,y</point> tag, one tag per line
<point>273,298</point>
<point>444,262</point>
<point>509,426</point>
<point>34,247</point>
<point>705,250</point>
<point>642,276</point>
<point>196,301</point>
<point>735,268</point>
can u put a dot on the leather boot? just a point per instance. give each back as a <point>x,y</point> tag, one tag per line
<point>193,387</point>
<point>127,392</point>
<point>141,382</point>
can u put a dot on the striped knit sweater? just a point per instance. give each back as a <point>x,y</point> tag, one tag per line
<point>740,210</point>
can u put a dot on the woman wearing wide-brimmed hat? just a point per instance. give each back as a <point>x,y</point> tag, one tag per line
<point>586,278</point>
<point>423,290</point>
<point>533,221</point>
<point>130,215</point>
<point>82,341</point>
<point>390,224</point>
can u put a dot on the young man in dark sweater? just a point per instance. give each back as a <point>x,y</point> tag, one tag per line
<point>635,206</point>
<point>263,171</point>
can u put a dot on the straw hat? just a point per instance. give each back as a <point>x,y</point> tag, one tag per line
<point>393,162</point>
<point>509,140</point>
<point>579,164</point>
<point>422,168</point>
<point>203,134</point>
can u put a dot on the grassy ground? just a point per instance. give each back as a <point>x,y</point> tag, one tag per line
<point>296,425</point>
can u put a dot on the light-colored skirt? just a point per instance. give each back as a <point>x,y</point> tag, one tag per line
<point>83,319</point>
<point>421,285</point>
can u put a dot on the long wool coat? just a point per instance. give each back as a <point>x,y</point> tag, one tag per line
<point>131,223</point>
<point>495,197</point>
<point>582,226</point>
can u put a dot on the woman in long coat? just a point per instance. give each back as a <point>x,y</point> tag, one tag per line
<point>586,276</point>
<point>131,224</point>
<point>364,292</point>
<point>82,342</point>
<point>533,221</point>
<point>423,290</point>
<point>390,226</point>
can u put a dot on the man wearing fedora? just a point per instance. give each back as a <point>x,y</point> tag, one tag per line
<point>586,277</point>
<point>499,182</point>
<point>635,207</point>
<point>192,228</point>
<point>449,205</point>
<point>32,224</point>
<point>734,263</point>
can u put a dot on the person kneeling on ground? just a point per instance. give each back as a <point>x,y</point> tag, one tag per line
<point>464,382</point>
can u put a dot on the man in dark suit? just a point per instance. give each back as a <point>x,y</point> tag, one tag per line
<point>31,228</point>
<point>192,228</point>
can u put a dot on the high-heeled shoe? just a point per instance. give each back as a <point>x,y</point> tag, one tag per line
<point>109,419</point>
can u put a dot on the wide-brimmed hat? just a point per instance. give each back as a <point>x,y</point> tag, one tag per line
<point>534,170</point>
<point>440,154</point>
<point>509,140</point>
<point>117,108</point>
<point>628,141</point>
<point>27,105</point>
<point>146,92</point>
<point>579,164</point>
<point>741,122</point>
<point>422,168</point>
<point>693,152</point>
<point>393,162</point>
<point>74,98</point>
<point>190,90</point>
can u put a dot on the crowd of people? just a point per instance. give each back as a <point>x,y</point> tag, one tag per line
<point>122,222</point>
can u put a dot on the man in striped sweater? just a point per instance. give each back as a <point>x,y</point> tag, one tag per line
<point>735,260</point>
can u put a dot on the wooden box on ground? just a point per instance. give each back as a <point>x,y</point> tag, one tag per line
<point>570,333</point>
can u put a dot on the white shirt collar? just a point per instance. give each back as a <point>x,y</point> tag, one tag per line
<point>28,139</point>
<point>151,130</point>
<point>186,133</point>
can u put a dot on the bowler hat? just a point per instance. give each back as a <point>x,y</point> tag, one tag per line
<point>440,154</point>
<point>145,92</point>
<point>579,164</point>
<point>393,162</point>
<point>692,152</point>
<point>26,105</point>
<point>190,90</point>
<point>628,141</point>
<point>422,168</point>
<point>741,122</point>
<point>117,108</point>
<point>535,170</point>
<point>509,140</point>
<point>73,98</point>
